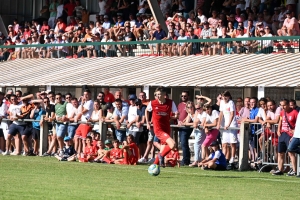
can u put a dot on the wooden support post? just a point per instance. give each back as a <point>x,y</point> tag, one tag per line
<point>244,146</point>
<point>43,137</point>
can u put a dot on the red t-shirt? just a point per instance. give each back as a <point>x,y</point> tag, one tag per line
<point>292,118</point>
<point>175,155</point>
<point>95,144</point>
<point>161,115</point>
<point>70,8</point>
<point>182,111</point>
<point>27,34</point>
<point>90,150</point>
<point>45,27</point>
<point>109,98</point>
<point>115,153</point>
<point>134,150</point>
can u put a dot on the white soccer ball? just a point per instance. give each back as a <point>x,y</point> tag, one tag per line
<point>154,170</point>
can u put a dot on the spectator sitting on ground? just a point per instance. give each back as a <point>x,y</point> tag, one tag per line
<point>172,158</point>
<point>216,160</point>
<point>89,152</point>
<point>68,152</point>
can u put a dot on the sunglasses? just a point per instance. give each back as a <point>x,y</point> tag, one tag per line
<point>46,101</point>
<point>182,96</point>
<point>197,108</point>
<point>58,98</point>
<point>189,107</point>
<point>68,97</point>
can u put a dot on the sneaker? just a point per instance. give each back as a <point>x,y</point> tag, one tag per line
<point>53,154</point>
<point>15,154</point>
<point>142,160</point>
<point>231,160</point>
<point>161,161</point>
<point>6,153</point>
<point>278,173</point>
<point>61,153</point>
<point>291,173</point>
<point>46,154</point>
<point>151,161</point>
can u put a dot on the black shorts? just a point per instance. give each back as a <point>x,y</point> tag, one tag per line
<point>35,133</point>
<point>27,131</point>
<point>1,133</point>
<point>220,167</point>
<point>283,142</point>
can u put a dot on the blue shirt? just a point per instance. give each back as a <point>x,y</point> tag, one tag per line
<point>253,113</point>
<point>37,116</point>
<point>121,23</point>
<point>221,160</point>
<point>159,35</point>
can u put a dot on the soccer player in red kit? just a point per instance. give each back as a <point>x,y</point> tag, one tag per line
<point>162,109</point>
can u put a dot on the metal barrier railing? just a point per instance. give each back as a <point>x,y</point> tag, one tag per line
<point>256,45</point>
<point>266,142</point>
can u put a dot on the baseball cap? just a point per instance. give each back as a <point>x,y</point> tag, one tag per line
<point>107,142</point>
<point>109,105</point>
<point>288,12</point>
<point>132,97</point>
<point>259,23</point>
<point>10,26</point>
<point>105,17</point>
<point>169,18</point>
<point>206,22</point>
<point>67,138</point>
<point>138,102</point>
<point>214,143</point>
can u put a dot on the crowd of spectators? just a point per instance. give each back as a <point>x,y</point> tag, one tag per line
<point>130,20</point>
<point>132,142</point>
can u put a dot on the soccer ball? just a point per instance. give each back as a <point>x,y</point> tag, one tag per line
<point>154,170</point>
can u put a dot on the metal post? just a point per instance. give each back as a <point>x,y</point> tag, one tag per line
<point>43,137</point>
<point>298,164</point>
<point>244,146</point>
<point>103,130</point>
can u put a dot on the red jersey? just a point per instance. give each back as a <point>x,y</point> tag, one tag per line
<point>115,153</point>
<point>109,98</point>
<point>90,150</point>
<point>175,155</point>
<point>292,118</point>
<point>95,144</point>
<point>134,150</point>
<point>70,8</point>
<point>161,115</point>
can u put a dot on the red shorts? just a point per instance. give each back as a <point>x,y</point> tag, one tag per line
<point>131,160</point>
<point>162,136</point>
<point>268,133</point>
<point>82,131</point>
<point>172,163</point>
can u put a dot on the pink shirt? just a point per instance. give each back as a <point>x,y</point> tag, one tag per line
<point>213,22</point>
<point>273,115</point>
<point>182,111</point>
<point>291,24</point>
<point>244,113</point>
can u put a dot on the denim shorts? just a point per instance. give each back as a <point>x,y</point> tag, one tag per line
<point>294,145</point>
<point>61,129</point>
<point>72,130</point>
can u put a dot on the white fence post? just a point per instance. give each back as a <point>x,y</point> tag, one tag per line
<point>43,137</point>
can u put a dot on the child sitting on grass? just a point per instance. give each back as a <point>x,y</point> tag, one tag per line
<point>216,160</point>
<point>90,151</point>
<point>95,137</point>
<point>172,158</point>
<point>130,152</point>
<point>103,155</point>
<point>116,153</point>
<point>69,153</point>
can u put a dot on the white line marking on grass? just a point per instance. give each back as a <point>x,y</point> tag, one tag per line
<point>165,170</point>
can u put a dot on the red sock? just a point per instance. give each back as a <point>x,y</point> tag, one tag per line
<point>156,160</point>
<point>166,150</point>
<point>107,160</point>
<point>125,159</point>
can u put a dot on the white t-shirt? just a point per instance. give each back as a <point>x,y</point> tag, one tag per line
<point>69,109</point>
<point>202,18</point>
<point>102,7</point>
<point>112,47</point>
<point>201,116</point>
<point>268,43</point>
<point>226,108</point>
<point>261,114</point>
<point>273,115</point>
<point>243,36</point>
<point>89,106</point>
<point>15,110</point>
<point>132,114</point>
<point>211,118</point>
